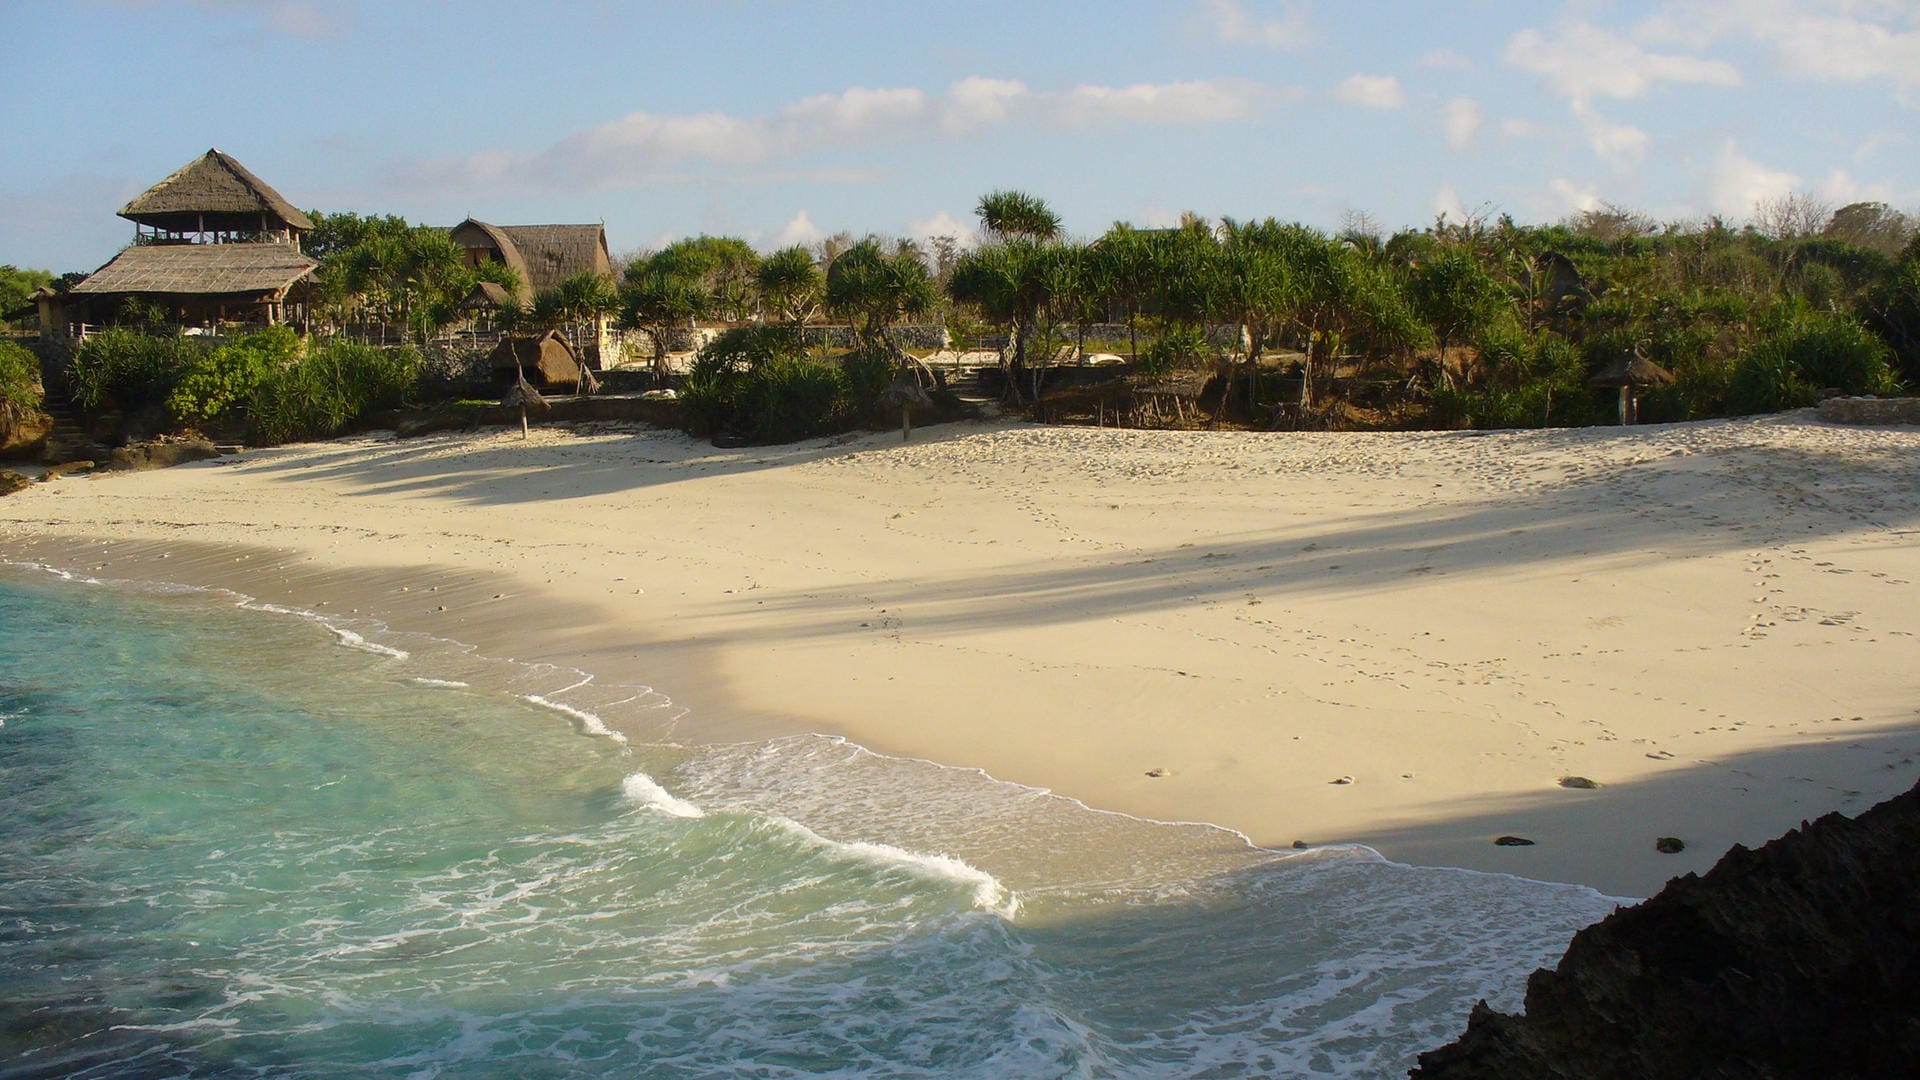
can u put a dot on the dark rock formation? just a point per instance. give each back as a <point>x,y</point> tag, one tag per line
<point>1801,959</point>
<point>160,454</point>
<point>11,482</point>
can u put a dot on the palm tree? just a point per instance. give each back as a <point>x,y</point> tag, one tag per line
<point>658,304</point>
<point>1008,214</point>
<point>880,289</point>
<point>790,285</point>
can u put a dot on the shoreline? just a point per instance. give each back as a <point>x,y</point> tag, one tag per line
<point>1068,609</point>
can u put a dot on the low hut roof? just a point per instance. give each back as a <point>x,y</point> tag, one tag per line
<point>548,356</point>
<point>213,183</point>
<point>1631,369</point>
<point>200,269</point>
<point>487,294</point>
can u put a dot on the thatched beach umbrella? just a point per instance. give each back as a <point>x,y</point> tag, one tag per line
<point>523,394</point>
<point>906,392</point>
<point>1629,373</point>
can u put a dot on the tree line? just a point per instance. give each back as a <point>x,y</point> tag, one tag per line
<point>1477,322</point>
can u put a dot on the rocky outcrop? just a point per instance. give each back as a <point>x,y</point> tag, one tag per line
<point>1866,410</point>
<point>1800,959</point>
<point>159,454</point>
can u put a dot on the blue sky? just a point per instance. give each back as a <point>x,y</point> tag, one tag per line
<point>783,121</point>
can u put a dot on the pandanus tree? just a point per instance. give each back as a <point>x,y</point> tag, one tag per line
<point>660,303</point>
<point>1255,287</point>
<point>1008,277</point>
<point>790,286</point>
<point>1456,297</point>
<point>876,290</point>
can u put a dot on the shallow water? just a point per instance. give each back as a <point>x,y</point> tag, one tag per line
<point>240,843</point>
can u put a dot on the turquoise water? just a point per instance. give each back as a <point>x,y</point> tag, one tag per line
<point>240,843</point>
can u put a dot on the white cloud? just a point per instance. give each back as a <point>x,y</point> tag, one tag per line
<point>1617,144</point>
<point>1825,40</point>
<point>941,223</point>
<point>1840,188</point>
<point>1735,183</point>
<point>1371,91</point>
<point>1583,61</point>
<point>1232,22</point>
<point>1447,204</point>
<point>1460,120</point>
<point>801,230</point>
<point>1515,128</point>
<point>1446,60</point>
<point>1571,198</point>
<point>638,148</point>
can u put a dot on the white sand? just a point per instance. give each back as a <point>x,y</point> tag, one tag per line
<point>1715,621</point>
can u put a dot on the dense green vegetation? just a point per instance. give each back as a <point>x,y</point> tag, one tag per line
<point>270,386</point>
<point>19,386</point>
<point>1478,323</point>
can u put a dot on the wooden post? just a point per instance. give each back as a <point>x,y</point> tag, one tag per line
<point>906,421</point>
<point>525,433</point>
<point>1626,405</point>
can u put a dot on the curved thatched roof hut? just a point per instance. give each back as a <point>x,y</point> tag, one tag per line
<point>546,360</point>
<point>543,255</point>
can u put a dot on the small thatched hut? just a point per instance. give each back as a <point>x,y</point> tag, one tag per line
<point>546,360</point>
<point>1628,374</point>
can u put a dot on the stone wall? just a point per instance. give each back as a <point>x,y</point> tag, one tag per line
<point>1866,410</point>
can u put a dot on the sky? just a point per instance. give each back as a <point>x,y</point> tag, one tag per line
<point>786,121</point>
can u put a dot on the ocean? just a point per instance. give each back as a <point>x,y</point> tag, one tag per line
<point>245,841</point>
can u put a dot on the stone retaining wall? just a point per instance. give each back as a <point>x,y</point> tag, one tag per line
<point>1865,410</point>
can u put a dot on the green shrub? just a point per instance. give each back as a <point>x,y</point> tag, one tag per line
<point>331,386</point>
<point>868,374</point>
<point>710,392</point>
<point>221,381</point>
<point>791,398</point>
<point>1791,363</point>
<point>1184,347</point>
<point>19,385</point>
<point>128,369</point>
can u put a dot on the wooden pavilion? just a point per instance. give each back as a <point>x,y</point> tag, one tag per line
<point>212,243</point>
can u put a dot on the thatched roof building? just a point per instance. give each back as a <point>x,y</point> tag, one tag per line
<point>212,243</point>
<point>486,296</point>
<point>214,198</point>
<point>258,271</point>
<point>546,360</point>
<point>543,255</point>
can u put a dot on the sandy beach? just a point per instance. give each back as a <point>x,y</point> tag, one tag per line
<point>1405,640</point>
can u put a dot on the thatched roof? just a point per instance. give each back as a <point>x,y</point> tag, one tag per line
<point>547,358</point>
<point>200,269</point>
<point>1631,369</point>
<point>485,295</point>
<point>544,255</point>
<point>212,183</point>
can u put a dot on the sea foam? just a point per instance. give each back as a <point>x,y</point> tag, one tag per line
<point>988,893</point>
<point>642,789</point>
